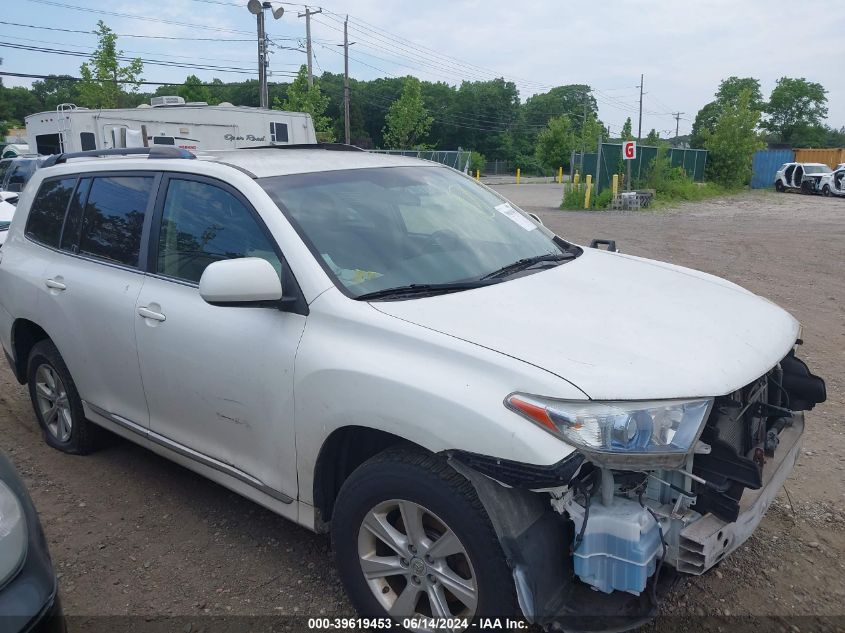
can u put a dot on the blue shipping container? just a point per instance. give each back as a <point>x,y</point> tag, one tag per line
<point>765,165</point>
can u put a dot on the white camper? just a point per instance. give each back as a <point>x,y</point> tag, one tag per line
<point>166,121</point>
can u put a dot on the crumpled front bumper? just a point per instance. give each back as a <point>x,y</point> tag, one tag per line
<point>708,540</point>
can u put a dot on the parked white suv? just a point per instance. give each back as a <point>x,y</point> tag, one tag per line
<point>802,176</point>
<point>489,419</point>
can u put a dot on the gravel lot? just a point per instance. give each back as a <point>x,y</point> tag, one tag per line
<point>132,534</point>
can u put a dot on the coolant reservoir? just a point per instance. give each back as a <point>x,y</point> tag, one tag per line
<point>620,545</point>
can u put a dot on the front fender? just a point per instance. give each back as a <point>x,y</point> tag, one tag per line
<point>359,367</point>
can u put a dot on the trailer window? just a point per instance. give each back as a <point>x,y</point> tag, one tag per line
<point>278,132</point>
<point>164,140</point>
<point>47,144</point>
<point>87,141</point>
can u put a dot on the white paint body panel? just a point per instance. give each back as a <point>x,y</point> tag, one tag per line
<point>619,327</point>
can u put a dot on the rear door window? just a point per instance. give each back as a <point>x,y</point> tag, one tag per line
<point>113,218</point>
<point>47,213</point>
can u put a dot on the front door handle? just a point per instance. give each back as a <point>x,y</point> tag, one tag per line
<point>145,312</point>
<point>53,284</point>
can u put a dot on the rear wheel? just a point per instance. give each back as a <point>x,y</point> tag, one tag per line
<point>56,401</point>
<point>779,186</point>
<point>412,540</point>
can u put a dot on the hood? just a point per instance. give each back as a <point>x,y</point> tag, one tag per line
<point>619,327</point>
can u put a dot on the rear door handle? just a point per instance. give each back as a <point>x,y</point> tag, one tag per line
<point>52,284</point>
<point>145,312</point>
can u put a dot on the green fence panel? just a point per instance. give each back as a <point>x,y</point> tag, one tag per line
<point>693,162</point>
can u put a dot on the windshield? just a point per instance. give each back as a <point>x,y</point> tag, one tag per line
<point>391,227</point>
<point>817,169</point>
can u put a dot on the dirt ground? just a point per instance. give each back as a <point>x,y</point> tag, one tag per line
<point>132,534</point>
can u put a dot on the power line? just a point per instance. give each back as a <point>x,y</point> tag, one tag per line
<point>5,73</point>
<point>145,18</point>
<point>151,37</point>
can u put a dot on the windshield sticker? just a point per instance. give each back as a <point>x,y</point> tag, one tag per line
<point>515,216</point>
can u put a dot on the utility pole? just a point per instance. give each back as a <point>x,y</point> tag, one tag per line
<point>677,116</point>
<point>346,44</point>
<point>307,15</point>
<point>263,92</point>
<point>640,126</point>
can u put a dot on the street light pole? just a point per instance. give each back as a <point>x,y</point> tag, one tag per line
<point>257,8</point>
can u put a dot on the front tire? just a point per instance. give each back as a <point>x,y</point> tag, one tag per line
<point>412,539</point>
<point>826,191</point>
<point>56,402</point>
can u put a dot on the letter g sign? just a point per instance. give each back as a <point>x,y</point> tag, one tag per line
<point>629,150</point>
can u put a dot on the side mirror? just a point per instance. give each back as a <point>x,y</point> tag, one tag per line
<point>536,218</point>
<point>245,281</point>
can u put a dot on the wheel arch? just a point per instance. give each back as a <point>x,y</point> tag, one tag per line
<point>25,335</point>
<point>342,452</point>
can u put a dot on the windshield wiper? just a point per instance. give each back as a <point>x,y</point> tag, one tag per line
<point>527,262</point>
<point>423,289</point>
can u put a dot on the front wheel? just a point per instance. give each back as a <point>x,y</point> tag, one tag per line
<point>413,542</point>
<point>826,191</point>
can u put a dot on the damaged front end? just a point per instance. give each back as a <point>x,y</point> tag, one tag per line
<point>595,539</point>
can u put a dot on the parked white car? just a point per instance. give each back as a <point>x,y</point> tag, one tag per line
<point>801,176</point>
<point>8,205</point>
<point>489,419</point>
<point>833,184</point>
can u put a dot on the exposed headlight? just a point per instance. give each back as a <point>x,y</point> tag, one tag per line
<point>12,534</point>
<point>620,434</point>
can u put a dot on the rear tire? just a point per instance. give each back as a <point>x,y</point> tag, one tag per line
<point>449,563</point>
<point>779,186</point>
<point>56,402</point>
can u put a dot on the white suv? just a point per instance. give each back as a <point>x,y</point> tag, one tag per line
<point>489,419</point>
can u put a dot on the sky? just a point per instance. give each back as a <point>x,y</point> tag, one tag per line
<point>682,47</point>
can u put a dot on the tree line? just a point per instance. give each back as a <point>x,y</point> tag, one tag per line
<point>487,117</point>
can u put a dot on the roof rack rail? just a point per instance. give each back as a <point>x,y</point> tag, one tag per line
<point>334,147</point>
<point>156,151</point>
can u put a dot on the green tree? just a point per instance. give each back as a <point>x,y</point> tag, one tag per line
<point>556,142</point>
<point>704,123</point>
<point>794,108</point>
<point>627,130</point>
<point>733,141</point>
<point>653,138</point>
<point>194,90</point>
<point>731,89</point>
<point>103,77</point>
<point>304,98</point>
<point>55,89</point>
<point>407,121</point>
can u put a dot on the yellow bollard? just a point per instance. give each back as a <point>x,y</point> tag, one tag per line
<point>577,178</point>
<point>477,174</point>
<point>560,175</point>
<point>518,174</point>
<point>589,184</point>
<point>615,184</point>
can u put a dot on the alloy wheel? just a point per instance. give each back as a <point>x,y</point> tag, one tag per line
<point>415,564</point>
<point>53,404</point>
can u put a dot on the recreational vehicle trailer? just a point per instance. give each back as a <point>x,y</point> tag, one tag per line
<point>166,121</point>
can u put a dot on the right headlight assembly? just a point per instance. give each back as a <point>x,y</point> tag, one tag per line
<point>13,534</point>
<point>620,434</point>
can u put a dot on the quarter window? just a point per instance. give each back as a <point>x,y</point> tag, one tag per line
<point>47,213</point>
<point>202,223</point>
<point>114,217</point>
<point>279,132</point>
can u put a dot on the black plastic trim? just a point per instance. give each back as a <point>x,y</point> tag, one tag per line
<point>521,475</point>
